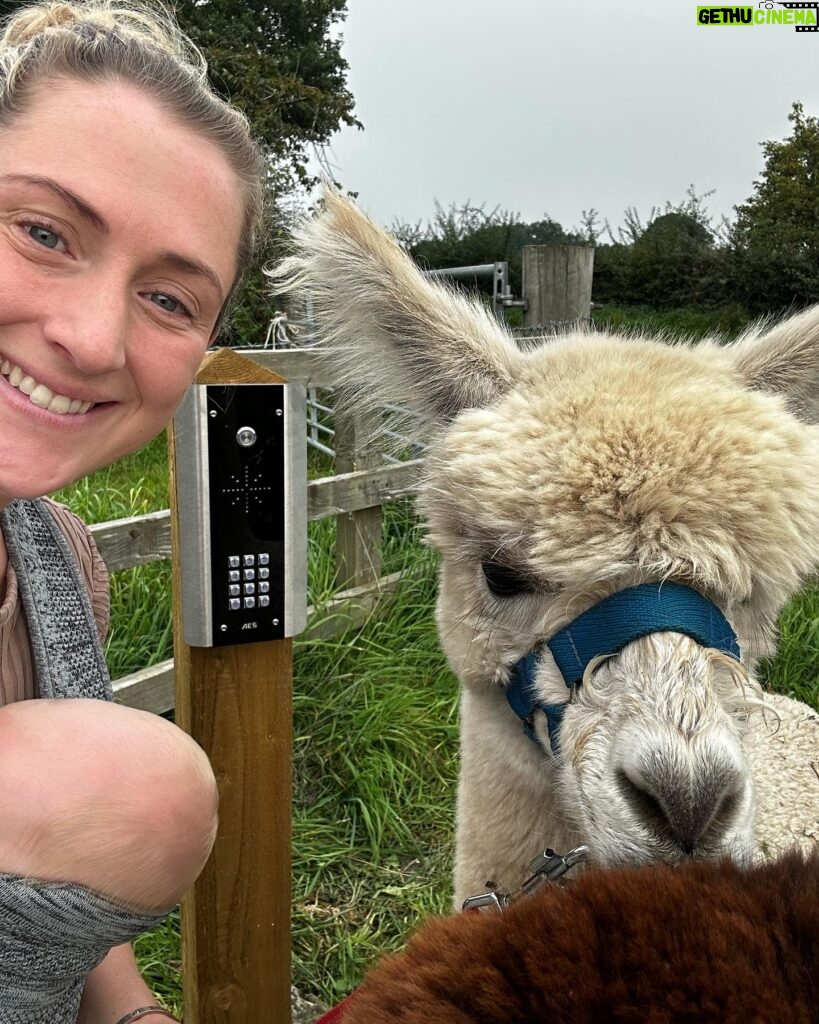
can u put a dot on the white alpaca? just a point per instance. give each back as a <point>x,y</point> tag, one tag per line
<point>560,475</point>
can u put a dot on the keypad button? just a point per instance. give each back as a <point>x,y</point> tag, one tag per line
<point>248,559</point>
<point>235,604</point>
<point>249,574</point>
<point>250,588</point>
<point>264,558</point>
<point>264,600</point>
<point>264,574</point>
<point>234,589</point>
<point>234,575</point>
<point>250,602</point>
<point>233,561</point>
<point>264,588</point>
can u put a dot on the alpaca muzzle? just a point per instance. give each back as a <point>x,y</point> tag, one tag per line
<point>605,629</point>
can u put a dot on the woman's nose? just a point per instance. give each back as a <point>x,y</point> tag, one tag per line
<point>91,327</point>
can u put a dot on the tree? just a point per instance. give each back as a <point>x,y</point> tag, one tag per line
<point>675,257</point>
<point>672,262</point>
<point>280,62</point>
<point>776,234</point>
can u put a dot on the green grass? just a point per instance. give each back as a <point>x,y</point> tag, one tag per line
<point>374,776</point>
<point>141,633</point>
<point>727,321</point>
<point>795,669</point>
<point>138,483</point>
<point>375,744</point>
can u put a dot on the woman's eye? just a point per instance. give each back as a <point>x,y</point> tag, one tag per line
<point>169,303</point>
<point>44,236</point>
<point>504,581</point>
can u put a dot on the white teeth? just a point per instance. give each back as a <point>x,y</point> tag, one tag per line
<point>59,403</point>
<point>40,395</point>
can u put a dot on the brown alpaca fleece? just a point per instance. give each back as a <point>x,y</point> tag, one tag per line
<point>703,942</point>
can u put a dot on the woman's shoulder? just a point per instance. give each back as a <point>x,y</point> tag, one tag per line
<point>92,568</point>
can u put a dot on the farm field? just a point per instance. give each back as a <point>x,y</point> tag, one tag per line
<point>375,730</point>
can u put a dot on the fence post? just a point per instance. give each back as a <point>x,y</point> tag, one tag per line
<point>557,282</point>
<point>359,536</point>
<point>236,702</point>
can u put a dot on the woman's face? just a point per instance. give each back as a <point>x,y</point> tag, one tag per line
<point>119,230</point>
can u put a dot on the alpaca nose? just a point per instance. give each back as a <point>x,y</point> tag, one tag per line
<point>691,807</point>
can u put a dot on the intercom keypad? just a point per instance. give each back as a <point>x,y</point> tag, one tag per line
<point>242,583</point>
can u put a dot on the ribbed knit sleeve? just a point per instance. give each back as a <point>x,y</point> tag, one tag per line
<point>92,567</point>
<point>16,663</point>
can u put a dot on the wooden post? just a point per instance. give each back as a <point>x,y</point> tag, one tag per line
<point>557,282</point>
<point>236,702</point>
<point>359,534</point>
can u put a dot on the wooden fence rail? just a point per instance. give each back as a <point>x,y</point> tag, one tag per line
<point>138,540</point>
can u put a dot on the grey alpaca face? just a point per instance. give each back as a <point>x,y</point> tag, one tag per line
<point>560,475</point>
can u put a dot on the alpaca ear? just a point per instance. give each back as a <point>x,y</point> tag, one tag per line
<point>784,360</point>
<point>393,335</point>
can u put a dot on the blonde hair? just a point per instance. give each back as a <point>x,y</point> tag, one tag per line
<point>101,40</point>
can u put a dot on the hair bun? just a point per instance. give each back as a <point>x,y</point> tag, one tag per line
<point>31,22</point>
<point>149,23</point>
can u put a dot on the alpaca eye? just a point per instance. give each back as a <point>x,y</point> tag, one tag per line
<point>505,582</point>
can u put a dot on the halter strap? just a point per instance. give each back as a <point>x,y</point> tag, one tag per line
<point>608,627</point>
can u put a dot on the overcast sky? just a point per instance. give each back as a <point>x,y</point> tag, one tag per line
<point>551,107</point>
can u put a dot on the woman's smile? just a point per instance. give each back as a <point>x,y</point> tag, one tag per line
<point>60,400</point>
<point>14,398</point>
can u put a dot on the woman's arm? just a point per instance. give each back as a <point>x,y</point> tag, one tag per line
<point>114,989</point>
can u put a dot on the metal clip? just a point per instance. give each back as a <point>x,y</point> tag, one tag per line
<point>493,900</point>
<point>548,866</point>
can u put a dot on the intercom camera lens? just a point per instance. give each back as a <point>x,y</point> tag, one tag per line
<point>246,437</point>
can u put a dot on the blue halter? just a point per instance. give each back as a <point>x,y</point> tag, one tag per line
<point>607,628</point>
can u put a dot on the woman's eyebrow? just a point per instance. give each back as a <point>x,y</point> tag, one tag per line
<point>191,266</point>
<point>88,213</point>
<point>84,209</point>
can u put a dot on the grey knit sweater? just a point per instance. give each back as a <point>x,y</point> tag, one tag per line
<point>52,935</point>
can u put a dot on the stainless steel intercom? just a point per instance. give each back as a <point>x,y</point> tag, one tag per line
<point>241,471</point>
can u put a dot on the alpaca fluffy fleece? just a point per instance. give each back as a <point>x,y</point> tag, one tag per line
<point>705,942</point>
<point>585,465</point>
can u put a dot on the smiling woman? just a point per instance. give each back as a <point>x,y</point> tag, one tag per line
<point>113,281</point>
<point>130,199</point>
